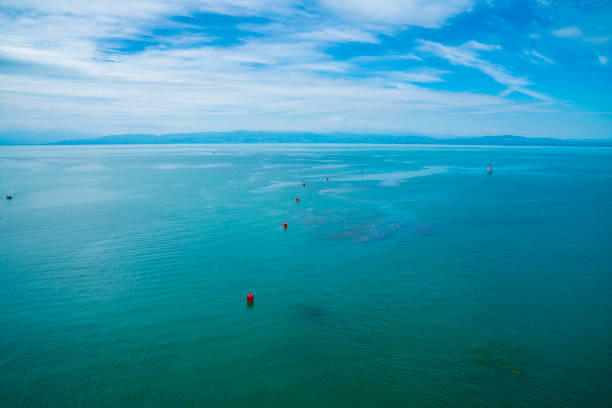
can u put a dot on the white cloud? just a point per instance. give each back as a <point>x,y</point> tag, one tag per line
<point>74,78</point>
<point>597,40</point>
<point>252,85</point>
<point>539,58</point>
<point>603,60</point>
<point>386,57</point>
<point>58,20</point>
<point>338,35</point>
<point>423,75</point>
<point>467,55</point>
<point>576,32</point>
<point>475,45</point>
<point>126,19</point>
<point>423,13</point>
<point>568,32</point>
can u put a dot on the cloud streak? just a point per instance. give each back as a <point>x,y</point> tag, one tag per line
<point>568,32</point>
<point>467,55</point>
<point>536,57</point>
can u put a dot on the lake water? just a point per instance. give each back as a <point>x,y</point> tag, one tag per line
<point>410,278</point>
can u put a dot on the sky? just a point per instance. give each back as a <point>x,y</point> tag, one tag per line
<point>535,68</point>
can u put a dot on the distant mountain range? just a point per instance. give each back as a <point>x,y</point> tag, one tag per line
<point>305,137</point>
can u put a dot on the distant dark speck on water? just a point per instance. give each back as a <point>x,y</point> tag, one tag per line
<point>313,313</point>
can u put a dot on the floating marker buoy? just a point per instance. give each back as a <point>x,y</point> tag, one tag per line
<point>303,184</point>
<point>297,200</point>
<point>326,178</point>
<point>284,225</point>
<point>250,298</point>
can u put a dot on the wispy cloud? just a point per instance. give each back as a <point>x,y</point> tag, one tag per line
<point>188,65</point>
<point>539,58</point>
<point>576,32</point>
<point>421,75</point>
<point>422,13</point>
<point>341,35</point>
<point>568,32</point>
<point>467,55</point>
<point>386,58</point>
<point>597,40</point>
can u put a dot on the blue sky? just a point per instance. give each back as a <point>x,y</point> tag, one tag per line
<point>538,68</point>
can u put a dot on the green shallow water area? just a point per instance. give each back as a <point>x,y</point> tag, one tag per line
<point>424,283</point>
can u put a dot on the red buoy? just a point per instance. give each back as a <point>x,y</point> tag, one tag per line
<point>303,184</point>
<point>326,178</point>
<point>284,225</point>
<point>297,200</point>
<point>250,298</point>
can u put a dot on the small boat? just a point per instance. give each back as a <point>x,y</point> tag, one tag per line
<point>9,197</point>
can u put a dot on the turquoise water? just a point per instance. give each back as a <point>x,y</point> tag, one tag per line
<point>425,282</point>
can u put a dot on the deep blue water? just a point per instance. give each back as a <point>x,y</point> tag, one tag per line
<point>423,282</point>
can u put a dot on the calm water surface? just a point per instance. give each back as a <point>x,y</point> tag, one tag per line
<point>423,282</point>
